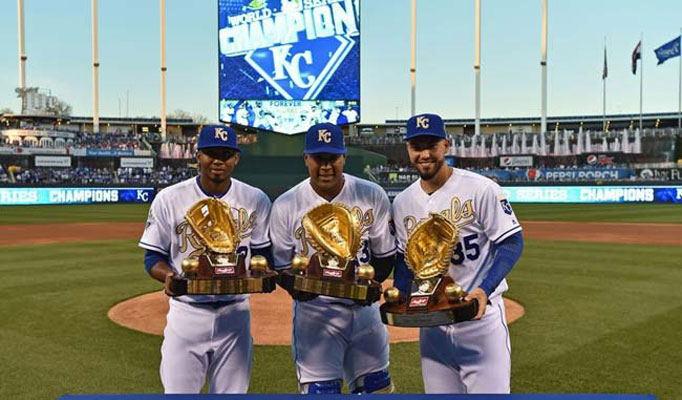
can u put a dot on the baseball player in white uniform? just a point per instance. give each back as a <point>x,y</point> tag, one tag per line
<point>206,337</point>
<point>472,356</point>
<point>335,339</point>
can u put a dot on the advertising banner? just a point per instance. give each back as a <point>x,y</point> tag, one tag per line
<point>108,152</point>
<point>52,161</point>
<point>516,161</point>
<point>600,159</point>
<point>593,194</point>
<point>38,196</point>
<point>138,162</point>
<point>578,174</point>
<point>660,174</point>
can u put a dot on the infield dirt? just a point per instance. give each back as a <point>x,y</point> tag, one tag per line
<point>271,314</point>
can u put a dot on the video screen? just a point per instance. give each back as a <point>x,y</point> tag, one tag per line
<point>285,65</point>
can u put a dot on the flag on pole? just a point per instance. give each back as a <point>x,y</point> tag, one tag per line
<point>605,73</point>
<point>668,50</point>
<point>636,55</point>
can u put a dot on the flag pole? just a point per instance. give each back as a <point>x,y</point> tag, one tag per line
<point>162,11</point>
<point>603,119</point>
<point>543,69</point>
<point>95,69</point>
<point>641,78</point>
<point>679,92</point>
<point>413,62</point>
<point>22,54</point>
<point>477,67</point>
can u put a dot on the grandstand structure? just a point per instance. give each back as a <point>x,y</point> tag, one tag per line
<point>41,150</point>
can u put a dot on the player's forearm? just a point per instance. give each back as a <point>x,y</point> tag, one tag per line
<point>402,276</point>
<point>160,271</point>
<point>156,265</point>
<point>507,253</point>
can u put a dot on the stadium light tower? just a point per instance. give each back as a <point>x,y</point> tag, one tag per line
<point>163,69</point>
<point>95,71</point>
<point>22,54</point>
<point>477,67</point>
<point>413,65</point>
<point>543,67</point>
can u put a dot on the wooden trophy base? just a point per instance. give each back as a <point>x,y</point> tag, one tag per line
<point>331,282</point>
<point>211,278</point>
<point>437,309</point>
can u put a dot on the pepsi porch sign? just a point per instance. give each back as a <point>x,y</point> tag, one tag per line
<point>285,65</point>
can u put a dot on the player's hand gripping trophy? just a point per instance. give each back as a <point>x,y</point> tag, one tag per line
<point>334,231</point>
<point>434,299</point>
<point>220,269</point>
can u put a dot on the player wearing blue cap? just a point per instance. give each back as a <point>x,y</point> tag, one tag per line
<point>206,337</point>
<point>335,339</point>
<point>472,356</point>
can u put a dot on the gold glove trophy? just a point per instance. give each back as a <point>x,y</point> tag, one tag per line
<point>435,299</point>
<point>220,269</point>
<point>334,232</point>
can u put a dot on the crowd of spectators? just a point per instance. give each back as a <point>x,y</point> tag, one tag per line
<point>122,141</point>
<point>96,176</point>
<point>107,141</point>
<point>146,176</point>
<point>70,176</point>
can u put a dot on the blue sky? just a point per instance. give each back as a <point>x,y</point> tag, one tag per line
<point>59,56</point>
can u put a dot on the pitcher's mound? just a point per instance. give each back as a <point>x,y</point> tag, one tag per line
<point>270,317</point>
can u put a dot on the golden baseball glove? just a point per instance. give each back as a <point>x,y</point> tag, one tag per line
<point>430,246</point>
<point>212,221</point>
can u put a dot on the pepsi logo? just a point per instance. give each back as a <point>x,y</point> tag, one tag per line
<point>592,159</point>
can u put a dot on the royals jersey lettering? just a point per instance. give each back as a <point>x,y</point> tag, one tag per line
<point>477,206</point>
<point>167,231</point>
<point>365,199</point>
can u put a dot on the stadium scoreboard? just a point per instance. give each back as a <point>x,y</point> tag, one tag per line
<point>285,65</point>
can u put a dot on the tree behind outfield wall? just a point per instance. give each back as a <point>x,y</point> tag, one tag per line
<point>182,114</point>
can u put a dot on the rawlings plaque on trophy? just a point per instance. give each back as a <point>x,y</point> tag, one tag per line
<point>434,298</point>
<point>332,270</point>
<point>220,268</point>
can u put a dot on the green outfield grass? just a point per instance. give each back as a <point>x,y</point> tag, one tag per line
<point>599,317</point>
<point>659,213</point>
<point>73,213</point>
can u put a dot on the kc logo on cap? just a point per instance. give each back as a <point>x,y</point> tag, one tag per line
<point>423,122</point>
<point>221,134</point>
<point>324,138</point>
<point>324,135</point>
<point>425,125</point>
<point>217,136</point>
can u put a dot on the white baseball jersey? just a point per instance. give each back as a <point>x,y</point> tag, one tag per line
<point>335,338</point>
<point>476,205</point>
<point>167,231</point>
<point>472,356</point>
<point>368,202</point>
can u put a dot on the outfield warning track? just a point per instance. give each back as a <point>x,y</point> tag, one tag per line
<point>603,232</point>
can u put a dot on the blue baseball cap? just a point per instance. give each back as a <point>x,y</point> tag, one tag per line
<point>217,136</point>
<point>324,138</point>
<point>425,125</point>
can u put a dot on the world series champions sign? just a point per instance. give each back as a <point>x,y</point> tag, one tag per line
<point>285,65</point>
